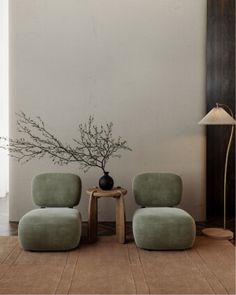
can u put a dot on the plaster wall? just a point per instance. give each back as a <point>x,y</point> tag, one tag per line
<point>139,64</point>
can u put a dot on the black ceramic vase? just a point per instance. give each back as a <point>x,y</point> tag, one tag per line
<point>106,182</point>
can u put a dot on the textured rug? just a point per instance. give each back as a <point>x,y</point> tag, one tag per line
<point>107,267</point>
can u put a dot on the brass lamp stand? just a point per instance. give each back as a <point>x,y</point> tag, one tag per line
<point>218,116</point>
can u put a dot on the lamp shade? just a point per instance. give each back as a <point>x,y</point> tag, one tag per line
<point>217,116</point>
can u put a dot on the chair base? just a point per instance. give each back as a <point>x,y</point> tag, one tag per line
<point>163,229</point>
<point>50,229</point>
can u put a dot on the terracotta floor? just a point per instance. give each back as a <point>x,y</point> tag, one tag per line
<point>107,267</point>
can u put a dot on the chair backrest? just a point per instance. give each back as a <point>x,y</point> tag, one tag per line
<point>56,190</point>
<point>157,189</point>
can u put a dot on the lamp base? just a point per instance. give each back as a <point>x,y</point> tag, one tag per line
<point>218,233</point>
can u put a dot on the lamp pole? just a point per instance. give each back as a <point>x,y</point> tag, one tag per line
<point>226,158</point>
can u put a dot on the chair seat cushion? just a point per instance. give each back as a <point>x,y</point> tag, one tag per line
<point>163,229</point>
<point>50,229</point>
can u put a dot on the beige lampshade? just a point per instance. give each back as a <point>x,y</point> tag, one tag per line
<point>217,116</point>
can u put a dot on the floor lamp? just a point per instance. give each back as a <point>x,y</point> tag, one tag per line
<point>218,116</point>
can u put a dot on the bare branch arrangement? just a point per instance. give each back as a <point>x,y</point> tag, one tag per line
<point>94,147</point>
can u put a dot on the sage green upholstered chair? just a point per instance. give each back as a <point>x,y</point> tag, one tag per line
<point>158,225</point>
<point>56,226</point>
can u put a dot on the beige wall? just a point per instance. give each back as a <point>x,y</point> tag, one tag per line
<point>138,63</point>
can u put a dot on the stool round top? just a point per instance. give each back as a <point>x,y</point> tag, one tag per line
<point>115,192</point>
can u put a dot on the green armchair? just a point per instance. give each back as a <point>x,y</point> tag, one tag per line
<point>56,226</point>
<point>158,225</point>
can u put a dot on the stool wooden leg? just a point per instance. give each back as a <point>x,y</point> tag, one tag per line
<point>92,219</point>
<point>120,219</point>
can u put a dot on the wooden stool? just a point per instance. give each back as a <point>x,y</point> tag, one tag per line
<point>117,193</point>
